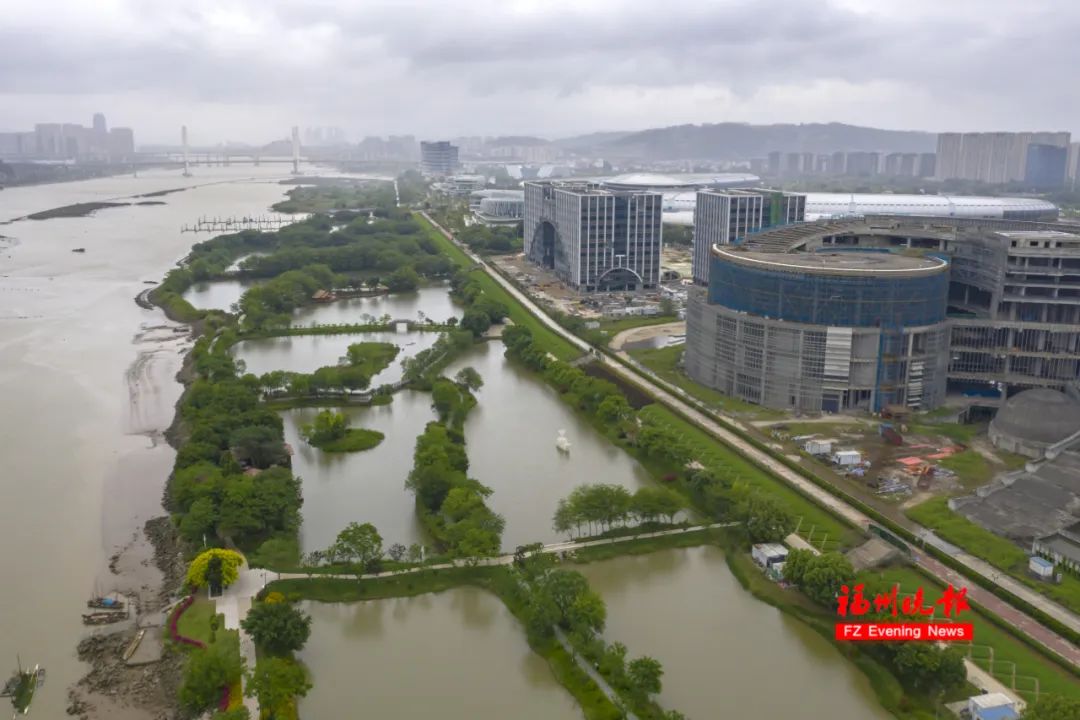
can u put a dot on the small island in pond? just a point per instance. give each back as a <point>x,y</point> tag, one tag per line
<point>331,433</point>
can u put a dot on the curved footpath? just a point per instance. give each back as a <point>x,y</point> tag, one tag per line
<point>1044,636</point>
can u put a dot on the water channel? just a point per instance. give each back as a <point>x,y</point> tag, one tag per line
<point>78,485</point>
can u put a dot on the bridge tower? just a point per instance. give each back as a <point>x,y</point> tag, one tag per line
<point>295,150</point>
<point>183,140</point>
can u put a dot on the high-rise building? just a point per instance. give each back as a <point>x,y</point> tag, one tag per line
<point>774,161</point>
<point>927,165</point>
<point>99,124</point>
<point>121,144</point>
<point>792,163</point>
<point>1045,167</point>
<point>723,217</point>
<point>838,163</point>
<point>594,239</point>
<point>438,158</point>
<point>863,164</point>
<point>993,157</point>
<point>1072,165</point>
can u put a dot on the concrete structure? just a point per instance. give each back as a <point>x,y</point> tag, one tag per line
<point>992,706</point>
<point>438,158</point>
<point>816,446</point>
<point>680,206</point>
<point>461,185</point>
<point>789,325</point>
<point>1063,547</point>
<point>766,555</point>
<point>593,238</point>
<point>722,217</point>
<point>1034,420</point>
<point>821,331</point>
<point>498,207</point>
<point>1041,567</point>
<point>847,458</point>
<point>993,157</point>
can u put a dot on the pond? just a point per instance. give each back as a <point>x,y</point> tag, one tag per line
<point>216,295</point>
<point>433,301</point>
<point>456,655</point>
<point>308,353</point>
<point>724,652</point>
<point>367,486</point>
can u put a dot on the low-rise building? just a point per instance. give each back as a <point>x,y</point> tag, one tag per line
<point>768,555</point>
<point>846,458</point>
<point>992,706</point>
<point>1041,567</point>
<point>819,446</point>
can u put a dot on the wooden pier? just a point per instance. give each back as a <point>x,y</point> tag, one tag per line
<point>236,224</point>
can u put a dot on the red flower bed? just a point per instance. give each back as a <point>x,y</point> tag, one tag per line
<point>175,619</point>
<point>223,704</point>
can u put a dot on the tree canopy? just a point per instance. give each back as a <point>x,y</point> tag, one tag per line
<point>230,560</point>
<point>277,627</point>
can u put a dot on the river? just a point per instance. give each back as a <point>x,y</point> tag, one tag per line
<point>88,384</point>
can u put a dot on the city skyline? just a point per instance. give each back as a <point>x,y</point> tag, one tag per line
<point>238,73</point>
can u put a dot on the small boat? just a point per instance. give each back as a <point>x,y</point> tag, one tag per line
<point>21,687</point>
<point>106,617</point>
<point>105,603</point>
<point>562,443</point>
<point>78,250</point>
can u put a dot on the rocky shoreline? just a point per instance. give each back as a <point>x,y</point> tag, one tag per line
<point>114,689</point>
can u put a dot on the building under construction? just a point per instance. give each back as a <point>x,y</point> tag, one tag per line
<point>883,310</point>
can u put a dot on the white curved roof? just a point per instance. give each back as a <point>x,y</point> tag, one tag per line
<point>825,205</point>
<point>678,206</point>
<point>688,181</point>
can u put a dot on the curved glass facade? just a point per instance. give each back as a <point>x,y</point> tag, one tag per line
<point>838,300</point>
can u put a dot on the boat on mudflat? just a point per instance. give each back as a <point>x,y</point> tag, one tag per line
<point>21,687</point>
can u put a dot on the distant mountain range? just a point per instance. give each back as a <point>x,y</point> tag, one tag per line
<point>740,141</point>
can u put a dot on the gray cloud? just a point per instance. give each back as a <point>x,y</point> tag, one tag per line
<point>247,69</point>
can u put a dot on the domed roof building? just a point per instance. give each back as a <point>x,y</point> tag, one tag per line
<point>1033,420</point>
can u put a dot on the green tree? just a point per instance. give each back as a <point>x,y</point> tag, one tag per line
<point>475,321</point>
<point>327,427</point>
<point>260,445</point>
<point>277,682</point>
<point>199,520</point>
<point>651,503</point>
<point>403,279</point>
<point>205,674</point>
<point>358,544</point>
<point>765,519</point>
<point>397,552</point>
<point>645,672</point>
<point>823,575</point>
<point>277,628</point>
<point>240,713</point>
<point>468,377</point>
<point>929,668</point>
<point>215,574</point>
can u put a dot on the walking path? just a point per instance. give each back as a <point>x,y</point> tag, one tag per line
<point>234,604</point>
<point>681,402</point>
<point>592,673</point>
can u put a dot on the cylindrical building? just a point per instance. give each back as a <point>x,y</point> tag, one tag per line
<point>825,331</point>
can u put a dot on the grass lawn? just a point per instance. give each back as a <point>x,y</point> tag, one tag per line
<point>552,341</point>
<point>971,468</point>
<point>958,433</point>
<point>355,439</point>
<point>372,357</point>
<point>712,453</point>
<point>664,361</point>
<point>195,622</point>
<point>997,551</point>
<point>1029,663</point>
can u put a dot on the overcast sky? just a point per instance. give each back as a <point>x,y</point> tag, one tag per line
<point>248,70</point>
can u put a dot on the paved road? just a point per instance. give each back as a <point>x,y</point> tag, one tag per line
<point>688,407</point>
<point>234,605</point>
<point>498,560</point>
